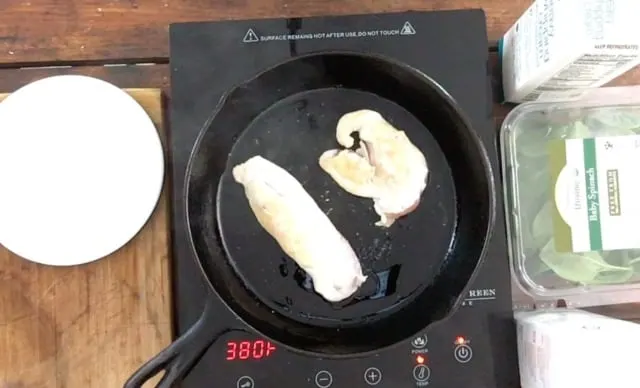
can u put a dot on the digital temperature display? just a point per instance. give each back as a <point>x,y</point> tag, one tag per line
<point>249,350</point>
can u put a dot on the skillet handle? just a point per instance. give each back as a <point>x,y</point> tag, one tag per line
<point>178,358</point>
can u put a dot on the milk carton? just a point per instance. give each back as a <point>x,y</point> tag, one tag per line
<point>567,348</point>
<point>559,48</point>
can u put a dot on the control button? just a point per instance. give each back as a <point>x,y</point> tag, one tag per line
<point>463,353</point>
<point>324,379</point>
<point>421,373</point>
<point>245,382</point>
<point>419,342</point>
<point>372,376</point>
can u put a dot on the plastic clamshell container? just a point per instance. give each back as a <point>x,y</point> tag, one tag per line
<point>571,176</point>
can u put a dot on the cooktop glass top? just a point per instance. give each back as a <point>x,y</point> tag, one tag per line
<point>476,347</point>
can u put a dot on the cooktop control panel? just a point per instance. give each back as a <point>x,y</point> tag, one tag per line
<point>448,356</point>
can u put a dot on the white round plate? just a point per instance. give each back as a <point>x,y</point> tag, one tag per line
<point>81,170</point>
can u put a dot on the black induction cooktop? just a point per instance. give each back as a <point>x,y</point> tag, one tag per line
<point>476,347</point>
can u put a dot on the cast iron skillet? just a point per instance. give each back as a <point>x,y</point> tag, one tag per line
<point>419,268</point>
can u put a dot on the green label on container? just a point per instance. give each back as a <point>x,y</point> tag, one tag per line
<point>596,193</point>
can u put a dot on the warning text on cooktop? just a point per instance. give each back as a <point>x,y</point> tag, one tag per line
<point>254,36</point>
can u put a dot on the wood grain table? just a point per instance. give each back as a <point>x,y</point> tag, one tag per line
<point>89,326</point>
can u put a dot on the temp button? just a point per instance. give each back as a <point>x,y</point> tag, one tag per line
<point>245,382</point>
<point>421,373</point>
<point>463,353</point>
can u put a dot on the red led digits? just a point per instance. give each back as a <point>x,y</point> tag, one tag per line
<point>245,350</point>
<point>258,350</point>
<point>249,350</point>
<point>232,348</point>
<point>270,349</point>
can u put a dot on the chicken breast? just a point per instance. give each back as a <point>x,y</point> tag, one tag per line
<point>289,214</point>
<point>385,166</point>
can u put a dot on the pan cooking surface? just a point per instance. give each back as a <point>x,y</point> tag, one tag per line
<point>293,133</point>
<point>288,114</point>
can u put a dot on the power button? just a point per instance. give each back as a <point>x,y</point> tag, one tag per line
<point>463,353</point>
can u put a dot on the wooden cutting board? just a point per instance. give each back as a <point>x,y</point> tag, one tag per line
<point>91,325</point>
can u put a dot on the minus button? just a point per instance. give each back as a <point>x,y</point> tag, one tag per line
<point>324,379</point>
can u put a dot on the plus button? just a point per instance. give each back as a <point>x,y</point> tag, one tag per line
<point>372,376</point>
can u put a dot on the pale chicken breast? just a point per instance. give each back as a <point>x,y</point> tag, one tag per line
<point>385,166</point>
<point>289,214</point>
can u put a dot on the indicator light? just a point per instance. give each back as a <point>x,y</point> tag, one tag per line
<point>460,340</point>
<point>420,360</point>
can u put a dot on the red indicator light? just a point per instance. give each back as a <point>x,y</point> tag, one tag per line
<point>420,360</point>
<point>249,350</point>
<point>460,340</point>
